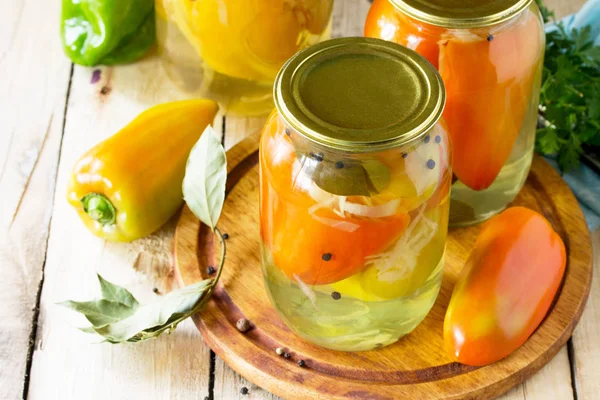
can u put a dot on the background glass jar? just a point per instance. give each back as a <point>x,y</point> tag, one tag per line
<point>490,56</point>
<point>355,181</point>
<point>231,50</point>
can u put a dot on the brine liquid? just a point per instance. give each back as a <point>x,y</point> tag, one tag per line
<point>187,70</point>
<point>348,323</point>
<point>469,207</point>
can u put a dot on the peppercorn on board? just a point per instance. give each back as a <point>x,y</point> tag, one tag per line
<point>52,112</point>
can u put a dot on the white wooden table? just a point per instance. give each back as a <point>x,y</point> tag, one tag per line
<point>51,113</point>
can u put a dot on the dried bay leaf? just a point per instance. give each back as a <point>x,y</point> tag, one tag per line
<point>100,312</point>
<point>205,177</point>
<point>150,319</point>
<point>348,181</point>
<point>117,293</point>
<point>354,178</point>
<point>378,175</point>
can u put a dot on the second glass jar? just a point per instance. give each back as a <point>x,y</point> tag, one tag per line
<point>490,56</point>
<point>355,179</point>
<point>231,50</point>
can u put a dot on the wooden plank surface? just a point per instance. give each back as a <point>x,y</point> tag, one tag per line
<point>585,339</point>
<point>66,365</point>
<point>175,366</point>
<point>33,88</point>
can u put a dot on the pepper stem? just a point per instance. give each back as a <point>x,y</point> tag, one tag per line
<point>99,208</point>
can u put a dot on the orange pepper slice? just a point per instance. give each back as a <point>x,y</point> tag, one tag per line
<point>489,85</point>
<point>317,253</point>
<point>315,246</point>
<point>384,21</point>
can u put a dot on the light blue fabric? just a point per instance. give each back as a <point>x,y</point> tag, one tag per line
<point>584,182</point>
<point>588,15</point>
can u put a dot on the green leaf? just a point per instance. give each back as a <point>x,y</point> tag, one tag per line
<point>117,293</point>
<point>570,96</point>
<point>548,141</point>
<point>378,175</point>
<point>205,177</point>
<point>351,177</point>
<point>582,38</point>
<point>154,318</point>
<point>89,329</point>
<point>547,15</point>
<point>100,312</point>
<point>593,55</point>
<point>348,181</point>
<point>117,322</point>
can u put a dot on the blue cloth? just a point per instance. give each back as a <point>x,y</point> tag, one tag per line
<point>584,182</point>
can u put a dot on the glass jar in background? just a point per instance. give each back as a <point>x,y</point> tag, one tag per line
<point>355,180</point>
<point>490,56</point>
<point>231,50</point>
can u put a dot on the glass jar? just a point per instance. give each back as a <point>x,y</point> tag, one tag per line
<point>355,179</point>
<point>490,56</point>
<point>231,50</point>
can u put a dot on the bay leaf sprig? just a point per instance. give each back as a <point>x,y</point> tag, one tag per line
<point>117,316</point>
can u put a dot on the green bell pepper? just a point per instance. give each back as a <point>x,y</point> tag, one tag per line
<point>107,31</point>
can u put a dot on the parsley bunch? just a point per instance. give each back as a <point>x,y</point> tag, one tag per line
<point>570,95</point>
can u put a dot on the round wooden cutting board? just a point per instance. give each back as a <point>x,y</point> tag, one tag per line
<point>416,367</point>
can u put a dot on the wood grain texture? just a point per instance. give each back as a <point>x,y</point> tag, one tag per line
<point>414,367</point>
<point>33,88</point>
<point>554,377</point>
<point>28,165</point>
<point>173,366</point>
<point>586,343</point>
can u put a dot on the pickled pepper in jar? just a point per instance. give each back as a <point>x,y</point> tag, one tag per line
<point>355,179</point>
<point>231,50</point>
<point>490,56</point>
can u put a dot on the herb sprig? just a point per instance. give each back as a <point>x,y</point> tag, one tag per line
<point>117,316</point>
<point>570,95</point>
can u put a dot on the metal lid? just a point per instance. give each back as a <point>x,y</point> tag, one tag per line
<point>461,13</point>
<point>359,94</point>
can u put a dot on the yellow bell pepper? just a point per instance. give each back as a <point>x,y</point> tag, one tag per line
<point>130,185</point>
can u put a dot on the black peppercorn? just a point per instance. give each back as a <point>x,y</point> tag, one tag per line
<point>287,356</point>
<point>427,139</point>
<point>317,156</point>
<point>326,257</point>
<point>438,139</point>
<point>226,236</point>
<point>243,325</point>
<point>339,165</point>
<point>336,295</point>
<point>301,363</point>
<point>210,270</point>
<point>490,37</point>
<point>430,164</point>
<point>155,290</point>
<point>404,155</point>
<point>244,390</point>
